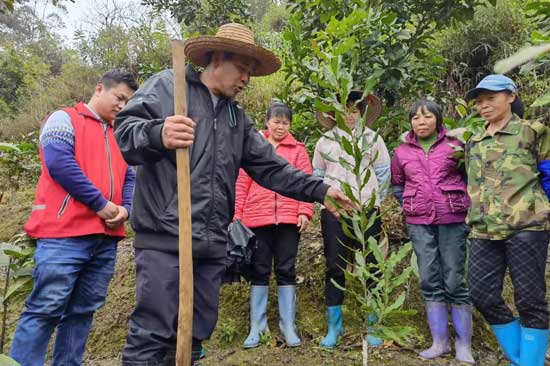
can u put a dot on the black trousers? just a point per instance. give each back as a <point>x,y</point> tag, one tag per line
<point>152,330</point>
<point>278,244</point>
<point>524,254</point>
<point>338,249</point>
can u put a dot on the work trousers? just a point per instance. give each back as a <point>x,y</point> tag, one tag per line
<point>152,330</point>
<point>441,257</point>
<point>524,254</point>
<point>278,245</point>
<point>338,249</point>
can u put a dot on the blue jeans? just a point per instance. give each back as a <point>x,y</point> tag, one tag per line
<point>71,277</point>
<point>441,255</point>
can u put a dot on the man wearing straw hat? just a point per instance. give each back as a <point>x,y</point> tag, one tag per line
<point>221,139</point>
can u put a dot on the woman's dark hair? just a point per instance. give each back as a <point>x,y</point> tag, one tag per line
<point>353,97</point>
<point>278,109</point>
<point>431,106</point>
<point>517,106</point>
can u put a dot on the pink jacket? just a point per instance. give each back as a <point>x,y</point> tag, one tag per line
<point>256,206</point>
<point>434,190</point>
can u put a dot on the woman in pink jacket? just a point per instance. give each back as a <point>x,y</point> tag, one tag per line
<point>427,181</point>
<point>277,222</point>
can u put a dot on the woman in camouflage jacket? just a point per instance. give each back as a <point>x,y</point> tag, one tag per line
<point>508,169</point>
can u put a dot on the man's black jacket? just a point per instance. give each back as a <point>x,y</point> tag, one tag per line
<point>225,140</point>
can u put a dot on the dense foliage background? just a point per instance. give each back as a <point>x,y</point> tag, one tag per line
<point>436,48</point>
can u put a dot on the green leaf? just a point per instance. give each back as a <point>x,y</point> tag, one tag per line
<point>347,231</point>
<point>337,285</point>
<point>402,278</point>
<point>22,284</point>
<point>359,259</point>
<point>346,144</point>
<point>389,18</point>
<point>397,303</point>
<point>541,101</point>
<point>4,257</point>
<point>539,37</point>
<point>520,57</point>
<point>4,146</point>
<point>372,81</point>
<point>328,158</point>
<point>462,111</point>
<point>24,272</point>
<point>346,188</point>
<point>15,253</point>
<point>322,107</point>
<point>359,234</point>
<point>414,265</point>
<point>345,46</point>
<point>403,34</point>
<point>7,361</point>
<point>375,250</point>
<point>397,333</point>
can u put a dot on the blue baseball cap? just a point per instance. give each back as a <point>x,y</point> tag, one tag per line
<point>495,82</point>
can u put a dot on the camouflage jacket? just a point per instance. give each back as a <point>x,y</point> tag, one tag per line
<point>503,180</point>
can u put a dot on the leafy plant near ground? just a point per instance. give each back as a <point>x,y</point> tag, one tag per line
<point>228,332</point>
<point>17,256</point>
<point>19,164</point>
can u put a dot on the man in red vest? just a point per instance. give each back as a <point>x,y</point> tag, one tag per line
<point>83,198</point>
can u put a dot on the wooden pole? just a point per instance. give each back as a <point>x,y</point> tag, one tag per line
<point>185,310</point>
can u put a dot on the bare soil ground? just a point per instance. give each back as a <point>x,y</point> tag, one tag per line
<point>107,337</point>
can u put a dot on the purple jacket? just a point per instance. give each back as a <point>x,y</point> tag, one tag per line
<point>434,191</point>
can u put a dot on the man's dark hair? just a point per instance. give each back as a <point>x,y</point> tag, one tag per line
<point>429,105</point>
<point>278,109</point>
<point>118,76</point>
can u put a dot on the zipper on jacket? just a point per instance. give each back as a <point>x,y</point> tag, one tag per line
<point>111,179</point>
<point>213,175</point>
<point>276,218</point>
<point>64,205</point>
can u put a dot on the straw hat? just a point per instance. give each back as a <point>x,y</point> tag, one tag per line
<point>371,101</point>
<point>235,38</point>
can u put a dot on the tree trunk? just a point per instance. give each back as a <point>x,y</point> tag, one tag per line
<point>365,350</point>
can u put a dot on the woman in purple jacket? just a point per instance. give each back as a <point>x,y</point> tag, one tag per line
<point>427,181</point>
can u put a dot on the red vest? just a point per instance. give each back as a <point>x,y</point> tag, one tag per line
<point>55,214</point>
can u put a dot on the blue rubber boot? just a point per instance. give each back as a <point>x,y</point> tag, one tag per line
<point>372,340</point>
<point>335,328</point>
<point>287,315</point>
<point>508,336</point>
<point>258,315</point>
<point>533,345</point>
